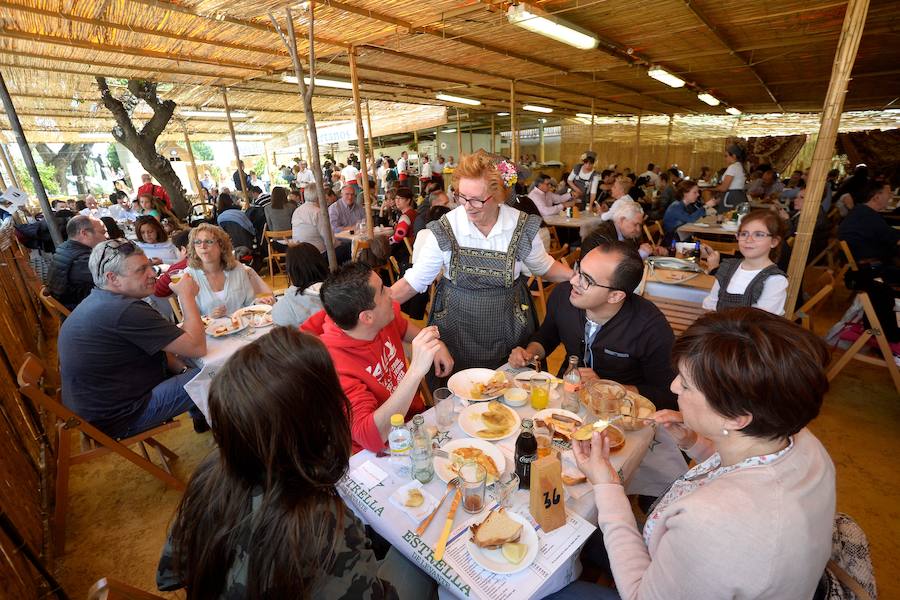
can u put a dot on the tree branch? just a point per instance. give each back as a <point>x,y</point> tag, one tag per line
<point>162,110</point>
<point>115,106</point>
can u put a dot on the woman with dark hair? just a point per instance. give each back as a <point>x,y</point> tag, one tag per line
<point>234,221</point>
<point>734,180</point>
<point>307,268</point>
<point>406,207</point>
<point>684,208</point>
<point>279,211</point>
<point>262,519</point>
<point>113,231</point>
<point>154,241</point>
<point>754,280</point>
<point>754,517</point>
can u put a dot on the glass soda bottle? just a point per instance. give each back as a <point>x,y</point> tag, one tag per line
<point>421,459</point>
<point>526,453</point>
<point>399,443</point>
<point>572,387</point>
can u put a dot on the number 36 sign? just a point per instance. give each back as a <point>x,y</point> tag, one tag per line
<point>548,507</point>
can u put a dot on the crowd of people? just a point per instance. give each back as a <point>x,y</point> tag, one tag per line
<point>261,516</point>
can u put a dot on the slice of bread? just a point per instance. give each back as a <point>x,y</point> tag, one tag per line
<point>497,529</point>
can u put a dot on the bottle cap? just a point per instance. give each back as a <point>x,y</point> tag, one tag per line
<point>418,419</point>
<point>397,420</point>
<point>527,424</point>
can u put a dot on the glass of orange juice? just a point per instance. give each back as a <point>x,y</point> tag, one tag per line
<point>540,391</point>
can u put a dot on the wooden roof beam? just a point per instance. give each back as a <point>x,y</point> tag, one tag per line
<point>719,35</point>
<point>218,77</point>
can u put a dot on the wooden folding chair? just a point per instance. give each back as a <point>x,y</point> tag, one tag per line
<point>824,287</point>
<point>654,233</point>
<point>572,257</point>
<point>828,254</point>
<point>113,589</point>
<point>730,248</point>
<point>554,236</point>
<point>29,378</point>
<point>53,306</point>
<point>541,291</point>
<point>276,257</point>
<point>409,247</point>
<point>176,308</point>
<point>679,313</point>
<point>853,352</point>
<point>361,245</point>
<point>848,256</point>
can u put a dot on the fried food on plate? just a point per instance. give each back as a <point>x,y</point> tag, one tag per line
<point>491,388</point>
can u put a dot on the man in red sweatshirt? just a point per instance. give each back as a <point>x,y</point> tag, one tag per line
<point>155,191</point>
<point>364,333</point>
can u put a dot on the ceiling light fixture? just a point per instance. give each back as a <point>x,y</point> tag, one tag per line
<point>660,74</point>
<point>733,111</point>
<point>329,83</point>
<point>540,22</point>
<point>586,116</point>
<point>708,98</point>
<point>448,130</point>
<point>458,99</point>
<point>502,114</point>
<point>213,114</point>
<point>536,108</point>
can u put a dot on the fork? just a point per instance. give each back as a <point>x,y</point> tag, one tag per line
<point>451,486</point>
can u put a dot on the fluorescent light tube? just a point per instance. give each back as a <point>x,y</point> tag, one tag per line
<point>458,99</point>
<point>665,77</point>
<point>732,111</point>
<point>708,98</point>
<point>502,114</point>
<point>212,114</point>
<point>448,130</point>
<point>540,22</point>
<point>586,116</point>
<point>535,108</point>
<point>332,83</point>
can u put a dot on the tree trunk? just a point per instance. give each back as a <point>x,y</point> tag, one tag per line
<point>70,155</point>
<point>143,144</point>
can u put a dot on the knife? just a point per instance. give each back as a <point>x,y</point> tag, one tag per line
<point>442,541</point>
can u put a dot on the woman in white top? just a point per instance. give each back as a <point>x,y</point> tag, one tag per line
<point>153,240</point>
<point>307,224</point>
<point>734,180</point>
<point>225,284</point>
<point>482,305</point>
<point>754,280</point>
<point>584,180</point>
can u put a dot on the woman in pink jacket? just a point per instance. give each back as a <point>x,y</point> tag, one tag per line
<point>753,519</point>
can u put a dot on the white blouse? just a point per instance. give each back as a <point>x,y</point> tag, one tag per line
<point>771,300</point>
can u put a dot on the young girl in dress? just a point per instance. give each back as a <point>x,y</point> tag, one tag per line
<point>753,280</point>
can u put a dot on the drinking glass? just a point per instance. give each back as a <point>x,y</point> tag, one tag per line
<point>175,275</point>
<point>504,489</point>
<point>606,398</point>
<point>540,391</point>
<point>472,479</point>
<point>544,438</point>
<point>443,408</point>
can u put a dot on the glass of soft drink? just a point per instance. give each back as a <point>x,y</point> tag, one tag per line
<point>540,391</point>
<point>443,408</point>
<point>472,479</point>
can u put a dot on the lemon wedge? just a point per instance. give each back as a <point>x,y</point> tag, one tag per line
<point>514,552</point>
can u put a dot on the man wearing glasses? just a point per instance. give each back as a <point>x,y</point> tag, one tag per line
<point>616,334</point>
<point>119,357</point>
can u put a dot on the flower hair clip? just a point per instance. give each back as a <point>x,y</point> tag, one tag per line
<point>508,173</point>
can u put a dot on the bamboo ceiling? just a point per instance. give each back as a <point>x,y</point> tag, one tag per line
<point>760,56</point>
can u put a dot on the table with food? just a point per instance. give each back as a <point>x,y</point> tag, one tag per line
<point>708,226</point>
<point>677,278</point>
<point>225,336</point>
<point>582,219</point>
<point>457,503</point>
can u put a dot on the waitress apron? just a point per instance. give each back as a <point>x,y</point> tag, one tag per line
<point>481,309</point>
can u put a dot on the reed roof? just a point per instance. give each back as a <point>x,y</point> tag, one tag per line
<point>760,56</point>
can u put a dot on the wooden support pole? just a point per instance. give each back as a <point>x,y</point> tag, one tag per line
<point>190,151</point>
<point>269,160</point>
<point>9,165</point>
<point>493,133</point>
<point>591,145</point>
<point>513,134</point>
<point>437,142</point>
<point>668,142</point>
<point>459,149</point>
<point>541,140</point>
<point>637,145</point>
<point>361,144</point>
<point>851,32</point>
<point>237,153</point>
<point>16,126</point>
<point>371,138</point>
<point>471,139</point>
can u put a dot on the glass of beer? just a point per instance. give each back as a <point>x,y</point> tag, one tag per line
<point>540,391</point>
<point>472,480</point>
<point>175,275</point>
<point>544,438</point>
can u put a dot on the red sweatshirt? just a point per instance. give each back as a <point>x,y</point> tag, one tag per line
<point>369,372</point>
<point>157,191</point>
<point>163,281</point>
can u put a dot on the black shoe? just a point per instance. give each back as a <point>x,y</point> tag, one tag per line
<point>200,424</point>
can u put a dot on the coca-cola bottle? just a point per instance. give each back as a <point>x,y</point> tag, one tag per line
<point>526,453</point>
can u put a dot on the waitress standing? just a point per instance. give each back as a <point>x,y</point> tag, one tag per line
<point>482,305</point>
<point>734,180</point>
<point>586,180</point>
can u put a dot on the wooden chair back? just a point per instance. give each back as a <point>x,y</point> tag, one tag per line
<point>539,290</point>
<point>409,247</point>
<point>729,248</point>
<point>176,308</point>
<point>112,589</point>
<point>654,232</point>
<point>572,257</point>
<point>554,236</point>
<point>276,256</point>
<point>29,378</point>
<point>874,331</point>
<point>821,289</point>
<point>678,313</point>
<point>53,306</point>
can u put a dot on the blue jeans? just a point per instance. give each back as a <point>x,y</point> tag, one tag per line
<point>583,590</point>
<point>167,400</point>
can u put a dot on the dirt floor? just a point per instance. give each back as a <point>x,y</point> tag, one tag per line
<point>119,515</point>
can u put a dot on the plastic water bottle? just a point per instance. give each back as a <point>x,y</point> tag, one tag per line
<point>421,459</point>
<point>572,387</point>
<point>400,443</point>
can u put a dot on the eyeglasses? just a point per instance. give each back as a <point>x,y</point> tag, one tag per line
<point>117,247</point>
<point>206,243</point>
<point>473,202</point>
<point>585,281</point>
<point>756,235</point>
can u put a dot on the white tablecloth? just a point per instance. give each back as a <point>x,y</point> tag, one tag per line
<point>652,450</point>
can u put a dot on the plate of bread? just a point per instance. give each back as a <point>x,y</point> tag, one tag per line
<point>479,385</point>
<point>503,542</point>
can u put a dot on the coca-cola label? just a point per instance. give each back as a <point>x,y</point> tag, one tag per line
<point>528,458</point>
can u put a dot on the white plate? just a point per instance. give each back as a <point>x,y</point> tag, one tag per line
<point>222,322</point>
<point>470,421</point>
<point>442,465</point>
<point>545,414</point>
<point>249,313</point>
<point>461,383</point>
<point>493,560</point>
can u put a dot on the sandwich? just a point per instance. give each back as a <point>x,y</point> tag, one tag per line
<point>496,530</point>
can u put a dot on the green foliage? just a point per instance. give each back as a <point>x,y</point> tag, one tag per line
<point>48,178</point>
<point>113,157</point>
<point>259,167</point>
<point>202,151</point>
